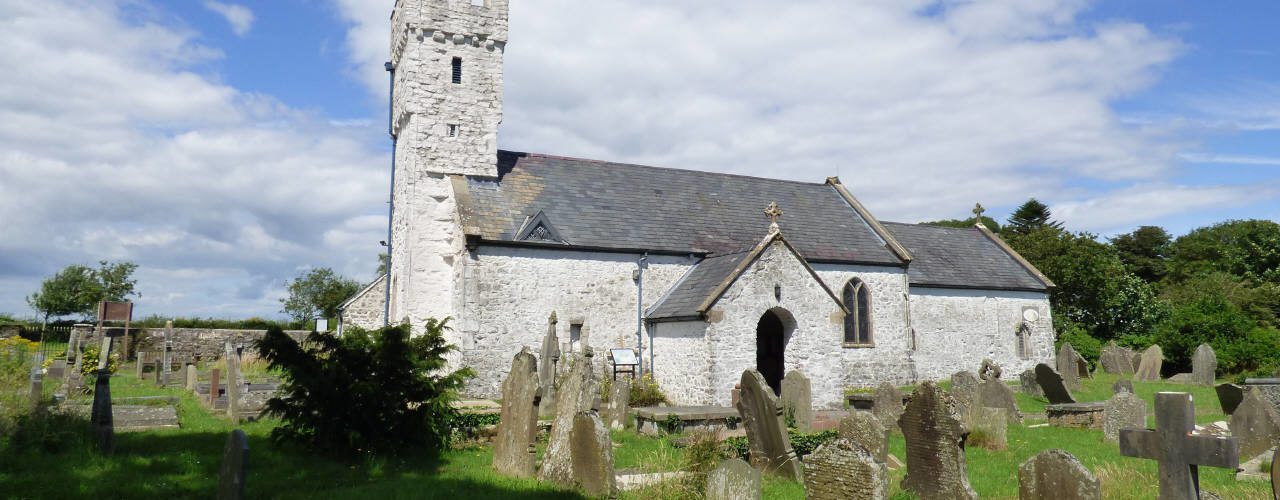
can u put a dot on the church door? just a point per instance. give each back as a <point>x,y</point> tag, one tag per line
<point>771,340</point>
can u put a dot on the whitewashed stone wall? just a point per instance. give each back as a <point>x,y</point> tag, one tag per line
<point>956,329</point>
<point>682,360</point>
<point>366,310</point>
<point>890,358</point>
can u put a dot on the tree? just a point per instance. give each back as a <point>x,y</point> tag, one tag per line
<point>383,260</point>
<point>1031,216</point>
<point>1244,248</point>
<point>317,294</point>
<point>78,289</point>
<point>1144,252</point>
<point>967,223</point>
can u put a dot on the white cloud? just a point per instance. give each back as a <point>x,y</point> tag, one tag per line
<point>238,16</point>
<point>1122,209</point>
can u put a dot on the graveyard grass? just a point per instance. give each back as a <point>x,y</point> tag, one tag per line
<point>184,462</point>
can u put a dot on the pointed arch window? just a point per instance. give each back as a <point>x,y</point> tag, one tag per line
<point>857,324</point>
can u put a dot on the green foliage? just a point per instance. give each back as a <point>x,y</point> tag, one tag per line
<point>255,323</point>
<point>317,294</point>
<point>1244,248</point>
<point>365,393</point>
<point>92,354</point>
<point>804,443</point>
<point>1259,300</point>
<point>77,289</point>
<point>1211,319</point>
<point>1088,346</point>
<point>966,223</point>
<point>1144,252</point>
<point>646,392</point>
<point>49,432</point>
<point>1030,217</point>
<point>475,420</point>
<point>672,424</point>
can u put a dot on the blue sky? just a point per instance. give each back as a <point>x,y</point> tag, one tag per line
<point>228,146</point>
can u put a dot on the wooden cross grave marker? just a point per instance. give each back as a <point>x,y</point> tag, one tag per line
<point>1176,449</point>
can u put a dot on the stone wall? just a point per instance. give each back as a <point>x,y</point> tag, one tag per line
<point>365,310</point>
<point>206,343</point>
<point>956,329</point>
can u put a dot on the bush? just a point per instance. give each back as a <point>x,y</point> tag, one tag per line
<point>1208,319</point>
<point>1088,346</point>
<point>89,366</point>
<point>646,392</point>
<point>365,393</point>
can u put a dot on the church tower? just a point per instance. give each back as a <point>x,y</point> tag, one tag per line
<point>446,104</point>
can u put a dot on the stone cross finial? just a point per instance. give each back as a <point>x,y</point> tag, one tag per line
<point>977,212</point>
<point>1178,451</point>
<point>773,213</point>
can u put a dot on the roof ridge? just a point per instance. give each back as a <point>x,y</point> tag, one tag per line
<point>654,167</point>
<point>925,224</point>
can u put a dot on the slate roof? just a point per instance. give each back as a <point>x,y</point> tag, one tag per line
<point>695,286</point>
<point>604,205</point>
<point>960,258</point>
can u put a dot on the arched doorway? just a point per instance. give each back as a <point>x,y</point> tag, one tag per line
<point>771,344</point>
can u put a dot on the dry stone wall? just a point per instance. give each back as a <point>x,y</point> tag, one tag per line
<point>204,343</point>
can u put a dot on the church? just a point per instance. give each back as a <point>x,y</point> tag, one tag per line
<point>703,274</point>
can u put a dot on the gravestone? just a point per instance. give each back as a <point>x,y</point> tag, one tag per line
<point>1065,365</point>
<point>233,385</point>
<point>1204,365</point>
<point>1275,475</point>
<point>865,429</point>
<point>1124,410</point>
<point>58,369</point>
<point>1255,424</point>
<point>1115,360</point>
<point>578,389</point>
<point>1051,383</point>
<point>989,370</point>
<point>767,437</point>
<point>619,404</point>
<point>156,372</point>
<point>548,359</point>
<point>734,479</point>
<point>1229,397</point>
<point>592,452</point>
<point>887,405</point>
<point>100,415</point>
<point>139,366</point>
<point>1178,451</point>
<point>192,377</point>
<point>1056,475</point>
<point>515,450</point>
<point>37,381</point>
<point>797,400</point>
<point>993,423</point>
<point>935,446</point>
<point>964,391</point>
<point>1152,361</point>
<point>214,376</point>
<point>1122,385</point>
<point>235,466</point>
<point>992,393</point>
<point>1082,367</point>
<point>842,469</point>
<point>1028,384</point>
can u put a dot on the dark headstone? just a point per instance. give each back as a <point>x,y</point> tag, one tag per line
<point>766,434</point>
<point>1255,424</point>
<point>989,370</point>
<point>1204,365</point>
<point>1056,475</point>
<point>734,479</point>
<point>964,391</point>
<point>1065,365</point>
<point>615,412</point>
<point>1152,361</point>
<point>515,449</point>
<point>1229,397</point>
<point>1028,384</point>
<point>1123,411</point>
<point>797,399</point>
<point>215,376</point>
<point>233,385</point>
<point>992,393</point>
<point>935,446</point>
<point>842,469</point>
<point>1051,383</point>
<point>865,429</point>
<point>577,391</point>
<point>1115,360</point>
<point>100,416</point>
<point>1122,385</point>
<point>548,359</point>
<point>235,467</point>
<point>592,452</point>
<point>887,405</point>
<point>1178,451</point>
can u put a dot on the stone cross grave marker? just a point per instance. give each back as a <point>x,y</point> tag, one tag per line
<point>1028,384</point>
<point>516,448</point>
<point>1229,397</point>
<point>1056,475</point>
<point>1115,360</point>
<point>1255,424</point>
<point>233,387</point>
<point>1152,360</point>
<point>989,370</point>
<point>1050,382</point>
<point>615,412</point>
<point>235,466</point>
<point>592,452</point>
<point>797,399</point>
<point>935,446</point>
<point>992,393</point>
<point>964,390</point>
<point>766,433</point>
<point>1178,451</point>
<point>1065,365</point>
<point>1204,365</point>
<point>734,479</point>
<point>548,359</point>
<point>887,405</point>
<point>1123,411</point>
<point>578,389</point>
<point>842,469</point>
<point>865,429</point>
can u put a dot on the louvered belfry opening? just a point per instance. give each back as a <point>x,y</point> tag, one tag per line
<point>457,70</point>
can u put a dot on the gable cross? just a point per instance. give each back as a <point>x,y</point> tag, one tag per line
<point>1176,449</point>
<point>977,212</point>
<point>773,213</point>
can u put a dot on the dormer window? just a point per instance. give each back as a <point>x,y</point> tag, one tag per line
<point>457,70</point>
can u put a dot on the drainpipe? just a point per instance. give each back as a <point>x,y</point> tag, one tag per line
<point>640,265</point>
<point>391,198</point>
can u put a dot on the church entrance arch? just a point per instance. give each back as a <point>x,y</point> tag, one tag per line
<point>772,333</point>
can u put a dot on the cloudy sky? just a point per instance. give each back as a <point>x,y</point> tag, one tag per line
<point>226,147</point>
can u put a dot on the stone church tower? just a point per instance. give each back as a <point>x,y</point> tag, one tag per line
<point>446,104</point>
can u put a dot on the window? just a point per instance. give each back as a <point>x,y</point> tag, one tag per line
<point>575,336</point>
<point>857,325</point>
<point>457,70</point>
<point>453,130</point>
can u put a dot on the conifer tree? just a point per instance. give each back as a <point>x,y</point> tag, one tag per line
<point>1031,216</point>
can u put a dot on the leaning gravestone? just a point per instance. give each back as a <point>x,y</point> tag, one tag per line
<point>615,412</point>
<point>1065,365</point>
<point>1255,424</point>
<point>233,387</point>
<point>548,358</point>
<point>865,429</point>
<point>887,405</point>
<point>1056,475</point>
<point>1229,397</point>
<point>1152,361</point>
<point>235,466</point>
<point>592,452</point>
<point>964,391</point>
<point>1051,383</point>
<point>1115,360</point>
<point>577,392</point>
<point>1122,385</point>
<point>935,446</point>
<point>797,400</point>
<point>992,393</point>
<point>734,479</point>
<point>1028,385</point>
<point>1177,449</point>
<point>842,469</point>
<point>1123,411</point>
<point>1204,365</point>
<point>766,434</point>
<point>989,370</point>
<point>516,448</point>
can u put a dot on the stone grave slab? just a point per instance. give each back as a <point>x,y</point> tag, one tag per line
<point>592,452</point>
<point>1229,397</point>
<point>1124,410</point>
<point>1028,385</point>
<point>767,437</point>
<point>1077,415</point>
<point>797,399</point>
<point>1204,365</point>
<point>842,469</point>
<point>1050,382</point>
<point>235,467</point>
<point>1152,362</point>
<point>865,429</point>
<point>887,405</point>
<point>1056,475</point>
<point>1115,360</point>
<point>515,450</point>
<point>734,479</point>
<point>548,361</point>
<point>653,420</point>
<point>1255,424</point>
<point>1179,452</point>
<point>935,446</point>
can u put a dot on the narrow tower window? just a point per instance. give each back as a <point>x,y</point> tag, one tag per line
<point>457,70</point>
<point>453,130</point>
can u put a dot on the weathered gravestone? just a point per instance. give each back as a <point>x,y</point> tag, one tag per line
<point>578,388</point>
<point>1056,475</point>
<point>887,405</point>
<point>548,358</point>
<point>235,466</point>
<point>992,393</point>
<point>233,386</point>
<point>1065,365</point>
<point>36,377</point>
<point>516,449</point>
<point>1204,365</point>
<point>989,370</point>
<point>1028,385</point>
<point>1178,451</point>
<point>842,469</point>
<point>1122,385</point>
<point>1255,424</point>
<point>1152,361</point>
<point>157,373</point>
<point>935,446</point>
<point>100,415</point>
<point>964,391</point>
<point>1051,383</point>
<point>1275,476</point>
<point>734,479</point>
<point>1123,411</point>
<point>139,366</point>
<point>192,377</point>
<point>797,400</point>
<point>57,369</point>
<point>865,429</point>
<point>615,412</point>
<point>1115,360</point>
<point>592,453</point>
<point>992,424</point>
<point>167,356</point>
<point>1229,397</point>
<point>766,434</point>
<point>214,376</point>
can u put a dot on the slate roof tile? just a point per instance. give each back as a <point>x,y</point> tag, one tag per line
<point>960,258</point>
